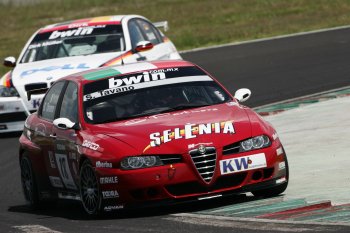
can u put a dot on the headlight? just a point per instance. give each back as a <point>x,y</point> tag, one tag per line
<point>255,143</point>
<point>136,162</point>
<point>8,91</point>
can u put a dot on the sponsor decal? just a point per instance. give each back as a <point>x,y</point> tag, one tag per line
<point>69,196</point>
<point>245,163</point>
<point>110,194</point>
<point>281,165</point>
<point>52,160</point>
<point>279,151</point>
<point>90,145</point>
<point>186,112</point>
<point>76,25</point>
<point>103,164</point>
<point>281,180</point>
<point>75,32</point>
<point>72,156</point>
<point>40,129</point>
<point>81,66</point>
<point>114,207</point>
<point>275,136</point>
<point>45,195</point>
<point>60,147</point>
<point>109,180</point>
<point>56,182</point>
<point>36,103</point>
<point>192,146</point>
<point>65,173</point>
<point>75,170</point>
<point>232,104</point>
<point>191,131</point>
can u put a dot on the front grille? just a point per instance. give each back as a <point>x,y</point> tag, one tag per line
<point>231,149</point>
<point>12,117</point>
<point>170,159</point>
<point>204,162</point>
<point>223,182</point>
<point>34,86</point>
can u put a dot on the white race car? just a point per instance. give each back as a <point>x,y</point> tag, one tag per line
<point>65,48</point>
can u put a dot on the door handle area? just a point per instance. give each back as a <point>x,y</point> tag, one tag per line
<point>53,135</point>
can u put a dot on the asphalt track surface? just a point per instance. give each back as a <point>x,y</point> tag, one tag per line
<point>281,69</point>
<point>274,70</point>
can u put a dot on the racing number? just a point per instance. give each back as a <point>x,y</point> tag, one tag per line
<point>65,173</point>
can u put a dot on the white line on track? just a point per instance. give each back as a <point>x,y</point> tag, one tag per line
<point>35,229</point>
<point>266,39</point>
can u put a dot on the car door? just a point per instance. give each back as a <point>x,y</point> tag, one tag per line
<point>43,135</point>
<point>65,145</point>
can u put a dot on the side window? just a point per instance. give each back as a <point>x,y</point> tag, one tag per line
<point>69,107</point>
<point>135,33</point>
<point>50,101</point>
<point>149,31</point>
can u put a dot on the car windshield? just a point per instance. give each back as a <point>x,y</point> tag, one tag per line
<point>74,42</point>
<point>150,93</point>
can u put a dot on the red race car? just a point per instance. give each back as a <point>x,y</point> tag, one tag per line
<point>147,133</point>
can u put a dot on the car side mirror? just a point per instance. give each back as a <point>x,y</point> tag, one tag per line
<point>242,94</point>
<point>10,62</point>
<point>143,46</point>
<point>64,123</point>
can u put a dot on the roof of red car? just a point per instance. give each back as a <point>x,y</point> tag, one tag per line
<point>100,73</point>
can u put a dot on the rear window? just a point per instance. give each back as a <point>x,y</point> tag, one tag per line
<point>148,93</point>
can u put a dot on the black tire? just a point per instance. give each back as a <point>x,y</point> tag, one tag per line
<point>274,191</point>
<point>90,193</point>
<point>29,185</point>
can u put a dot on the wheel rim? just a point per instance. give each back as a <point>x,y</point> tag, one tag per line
<point>27,180</point>
<point>89,190</point>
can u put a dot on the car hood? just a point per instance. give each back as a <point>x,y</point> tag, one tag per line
<point>180,131</point>
<point>53,69</point>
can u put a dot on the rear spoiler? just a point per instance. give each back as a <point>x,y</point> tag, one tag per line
<point>162,24</point>
<point>36,92</point>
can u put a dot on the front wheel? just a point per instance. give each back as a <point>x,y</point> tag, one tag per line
<point>89,189</point>
<point>29,184</point>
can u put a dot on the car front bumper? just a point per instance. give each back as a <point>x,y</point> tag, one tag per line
<point>181,182</point>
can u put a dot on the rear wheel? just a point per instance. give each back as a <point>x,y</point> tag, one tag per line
<point>89,189</point>
<point>277,190</point>
<point>29,184</point>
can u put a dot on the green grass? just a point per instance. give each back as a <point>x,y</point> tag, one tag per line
<point>193,23</point>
